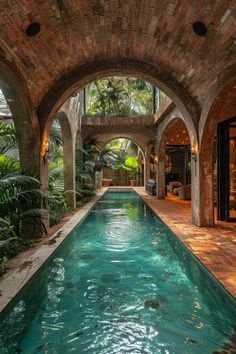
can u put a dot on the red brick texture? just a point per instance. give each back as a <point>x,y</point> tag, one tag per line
<point>152,31</point>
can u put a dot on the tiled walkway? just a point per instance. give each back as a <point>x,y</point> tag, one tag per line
<point>215,247</point>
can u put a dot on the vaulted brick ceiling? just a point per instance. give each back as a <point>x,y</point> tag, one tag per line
<point>159,32</point>
<point>177,134</point>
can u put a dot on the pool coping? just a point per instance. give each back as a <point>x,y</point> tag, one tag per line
<point>14,281</point>
<point>144,196</point>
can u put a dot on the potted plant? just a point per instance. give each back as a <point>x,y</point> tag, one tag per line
<point>131,164</point>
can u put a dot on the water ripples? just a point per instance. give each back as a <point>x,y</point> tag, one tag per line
<point>117,287</point>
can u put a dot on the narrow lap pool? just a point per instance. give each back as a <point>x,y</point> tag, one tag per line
<point>121,283</point>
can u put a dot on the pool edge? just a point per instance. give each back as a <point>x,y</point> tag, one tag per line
<point>12,283</point>
<point>202,264</point>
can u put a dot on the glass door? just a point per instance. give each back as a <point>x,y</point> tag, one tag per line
<point>232,172</point>
<point>226,142</point>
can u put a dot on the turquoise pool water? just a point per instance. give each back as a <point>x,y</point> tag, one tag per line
<point>121,283</point>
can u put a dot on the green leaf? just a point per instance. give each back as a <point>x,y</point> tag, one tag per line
<point>131,162</point>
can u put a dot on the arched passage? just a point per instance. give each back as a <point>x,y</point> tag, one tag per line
<point>84,74</point>
<point>138,137</point>
<point>123,161</point>
<point>221,106</point>
<point>188,108</point>
<point>173,131</point>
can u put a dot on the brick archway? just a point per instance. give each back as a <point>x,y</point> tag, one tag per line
<point>220,106</point>
<point>168,123</point>
<point>140,139</point>
<point>140,150</point>
<point>127,137</point>
<point>86,73</point>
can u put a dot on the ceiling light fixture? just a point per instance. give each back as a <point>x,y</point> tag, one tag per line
<point>33,29</point>
<point>199,28</point>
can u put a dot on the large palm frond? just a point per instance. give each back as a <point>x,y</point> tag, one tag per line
<point>8,165</point>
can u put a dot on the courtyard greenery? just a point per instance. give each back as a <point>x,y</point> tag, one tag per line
<point>23,204</point>
<point>119,95</point>
<point>119,155</point>
<point>123,160</point>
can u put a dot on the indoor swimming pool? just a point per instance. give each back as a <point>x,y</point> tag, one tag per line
<point>120,283</point>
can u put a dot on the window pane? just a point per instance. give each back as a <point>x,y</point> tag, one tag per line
<point>232,171</point>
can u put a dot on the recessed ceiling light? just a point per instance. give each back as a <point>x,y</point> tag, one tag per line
<point>33,29</point>
<point>199,28</point>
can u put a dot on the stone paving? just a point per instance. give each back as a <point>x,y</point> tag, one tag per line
<point>215,247</point>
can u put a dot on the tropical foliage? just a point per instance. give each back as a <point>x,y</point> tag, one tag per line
<point>22,202</point>
<point>119,95</point>
<point>123,159</point>
<point>91,161</point>
<point>7,138</point>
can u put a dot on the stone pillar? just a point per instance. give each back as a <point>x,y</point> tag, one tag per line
<point>29,144</point>
<point>160,176</point>
<point>31,162</point>
<point>202,191</point>
<point>44,184</point>
<point>69,174</point>
<point>206,192</point>
<point>147,165</point>
<point>69,162</point>
<point>148,172</point>
<point>195,189</point>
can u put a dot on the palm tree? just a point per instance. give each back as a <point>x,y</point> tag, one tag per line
<point>115,95</point>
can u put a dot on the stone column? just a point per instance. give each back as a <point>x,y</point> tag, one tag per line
<point>160,176</point>
<point>195,190</point>
<point>69,162</point>
<point>205,191</point>
<point>69,174</point>
<point>147,165</point>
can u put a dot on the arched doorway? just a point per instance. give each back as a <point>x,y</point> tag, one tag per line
<point>123,163</point>
<point>75,80</point>
<point>217,154</point>
<point>226,170</point>
<point>175,161</point>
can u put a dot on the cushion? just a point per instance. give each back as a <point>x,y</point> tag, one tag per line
<point>172,185</point>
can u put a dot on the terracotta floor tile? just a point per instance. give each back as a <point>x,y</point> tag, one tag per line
<point>215,246</point>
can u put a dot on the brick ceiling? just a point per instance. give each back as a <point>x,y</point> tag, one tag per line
<point>74,32</point>
<point>177,134</point>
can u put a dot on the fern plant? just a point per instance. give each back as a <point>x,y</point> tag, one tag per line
<point>21,200</point>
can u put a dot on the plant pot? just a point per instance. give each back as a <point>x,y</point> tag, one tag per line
<point>133,182</point>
